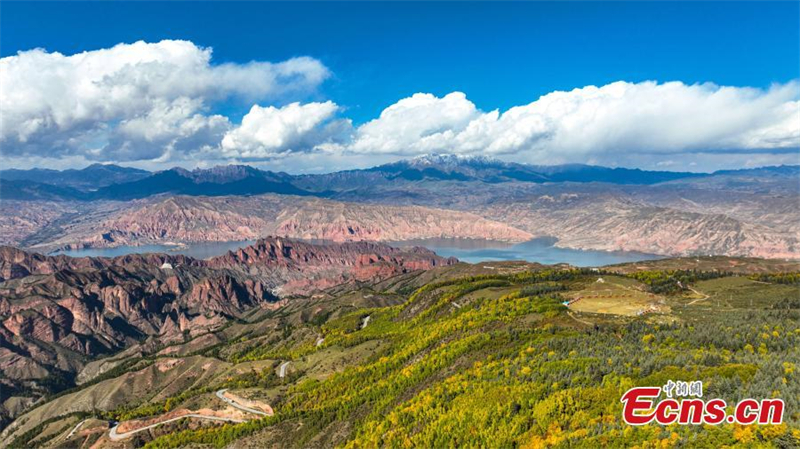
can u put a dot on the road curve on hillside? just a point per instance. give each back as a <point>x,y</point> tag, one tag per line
<point>114,435</point>
<point>75,429</point>
<point>282,369</point>
<point>702,295</point>
<point>234,404</point>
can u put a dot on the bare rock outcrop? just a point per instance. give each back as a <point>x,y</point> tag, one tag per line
<point>57,312</point>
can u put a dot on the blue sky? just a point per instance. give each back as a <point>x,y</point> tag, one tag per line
<point>500,55</point>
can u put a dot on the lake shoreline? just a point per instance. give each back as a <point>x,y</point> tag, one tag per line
<point>541,250</point>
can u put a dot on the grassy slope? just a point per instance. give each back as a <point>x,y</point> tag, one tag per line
<point>518,371</point>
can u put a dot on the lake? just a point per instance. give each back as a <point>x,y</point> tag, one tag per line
<point>467,250</point>
<point>537,250</point>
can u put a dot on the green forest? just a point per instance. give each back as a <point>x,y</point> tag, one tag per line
<point>500,361</point>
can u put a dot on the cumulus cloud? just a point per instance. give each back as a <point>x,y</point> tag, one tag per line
<point>268,132</point>
<point>619,117</point>
<point>154,103</point>
<point>132,101</point>
<point>419,124</point>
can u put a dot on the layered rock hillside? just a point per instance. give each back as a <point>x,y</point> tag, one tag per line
<point>736,213</point>
<point>303,266</point>
<point>236,218</point>
<point>57,313</point>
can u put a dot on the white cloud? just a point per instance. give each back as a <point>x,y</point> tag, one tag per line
<point>152,103</point>
<point>270,132</point>
<point>616,118</point>
<point>131,101</point>
<point>418,124</point>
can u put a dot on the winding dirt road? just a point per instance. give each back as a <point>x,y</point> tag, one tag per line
<point>221,394</point>
<point>75,429</point>
<point>579,320</point>
<point>114,435</point>
<point>704,296</point>
<point>282,369</point>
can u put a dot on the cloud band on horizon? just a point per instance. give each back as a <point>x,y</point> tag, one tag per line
<point>155,102</point>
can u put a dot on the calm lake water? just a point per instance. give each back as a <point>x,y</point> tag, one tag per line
<point>537,250</point>
<point>467,250</point>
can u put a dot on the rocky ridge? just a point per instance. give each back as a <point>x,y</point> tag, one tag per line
<point>237,218</point>
<point>58,312</point>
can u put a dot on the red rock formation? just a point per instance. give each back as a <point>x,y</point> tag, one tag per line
<point>303,267</point>
<point>89,306</point>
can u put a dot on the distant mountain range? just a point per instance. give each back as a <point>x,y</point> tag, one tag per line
<point>750,212</point>
<point>120,183</point>
<point>217,181</point>
<point>92,177</point>
<point>461,168</point>
<point>111,182</point>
